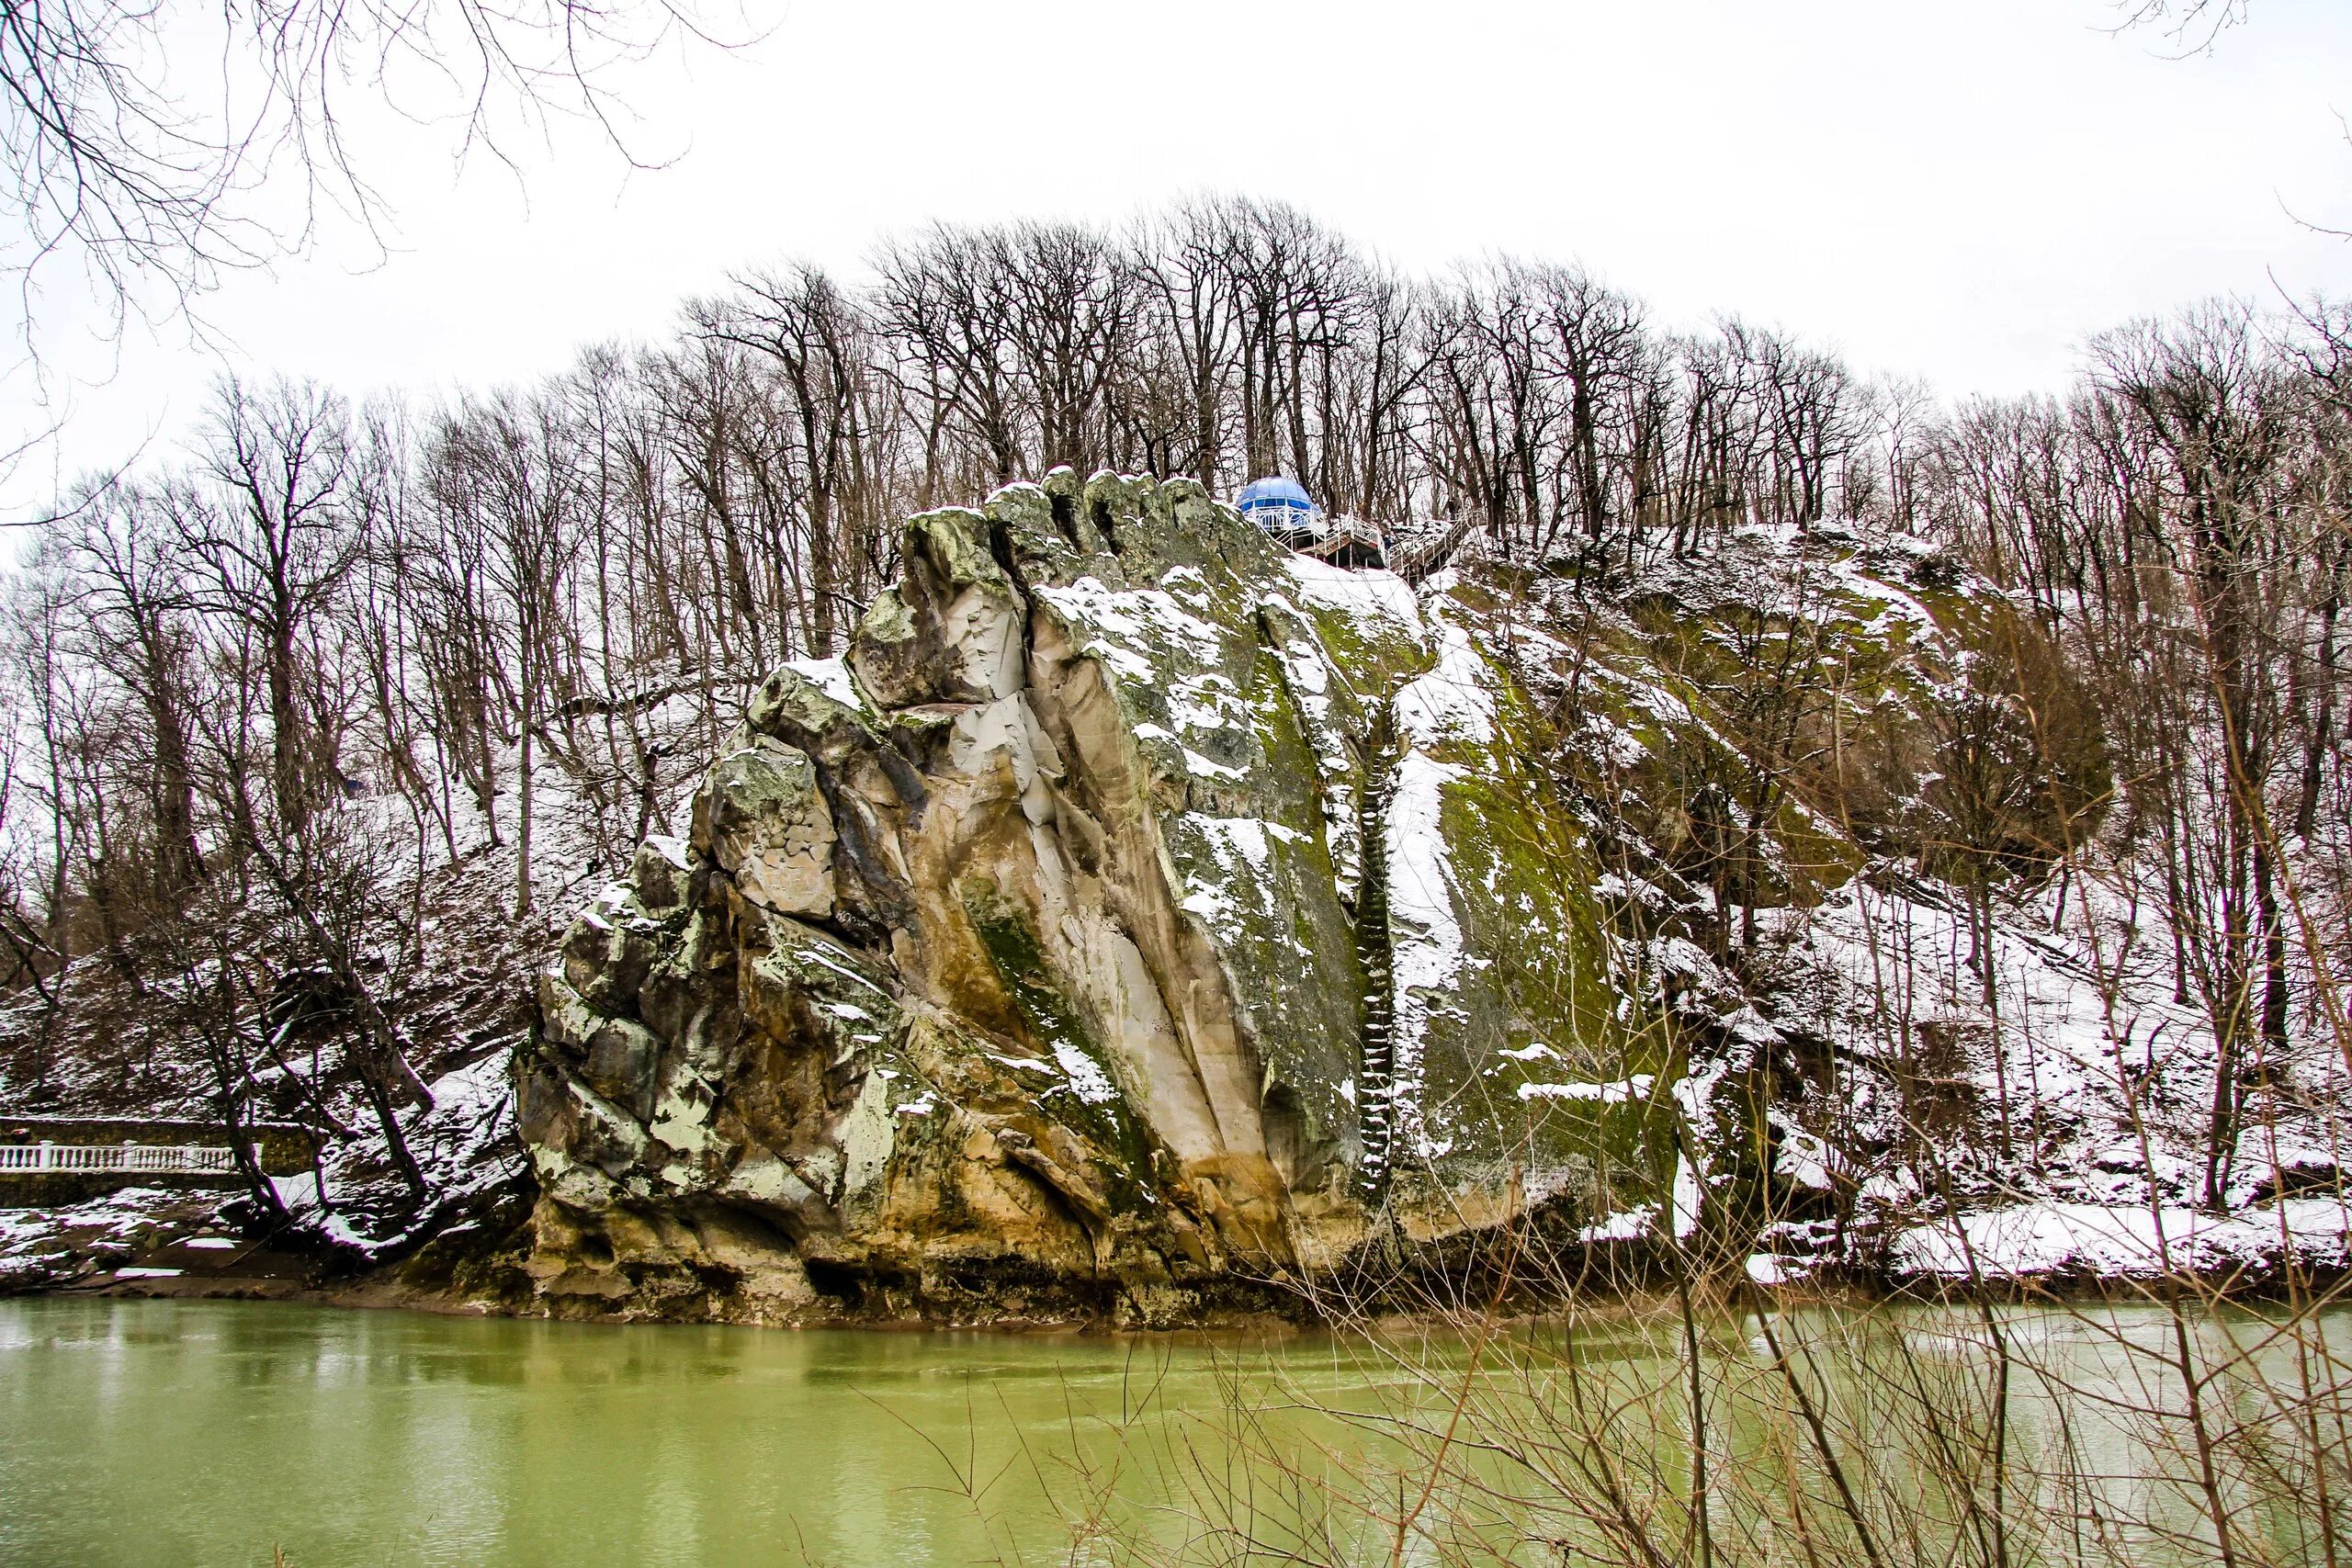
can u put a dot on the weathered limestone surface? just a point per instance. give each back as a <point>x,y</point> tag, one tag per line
<point>1012,966</point>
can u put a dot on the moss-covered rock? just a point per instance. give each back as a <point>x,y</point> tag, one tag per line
<point>1139,914</point>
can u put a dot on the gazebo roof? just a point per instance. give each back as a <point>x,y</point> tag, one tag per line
<point>1275,494</point>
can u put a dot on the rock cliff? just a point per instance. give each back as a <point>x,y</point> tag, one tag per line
<point>1137,917</point>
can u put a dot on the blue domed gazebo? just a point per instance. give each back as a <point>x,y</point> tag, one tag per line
<point>1284,509</point>
<point>1281,507</point>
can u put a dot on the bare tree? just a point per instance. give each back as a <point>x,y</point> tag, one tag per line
<point>164,143</point>
<point>506,465</point>
<point>272,536</point>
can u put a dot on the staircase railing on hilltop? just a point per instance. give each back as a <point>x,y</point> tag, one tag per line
<point>184,1159</point>
<point>1426,559</point>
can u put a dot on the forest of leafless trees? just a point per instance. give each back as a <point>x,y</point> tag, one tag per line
<point>459,612</point>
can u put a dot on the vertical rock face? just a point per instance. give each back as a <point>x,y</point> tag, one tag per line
<point>1034,958</point>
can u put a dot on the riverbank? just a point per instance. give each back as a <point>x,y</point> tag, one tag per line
<point>186,1244</point>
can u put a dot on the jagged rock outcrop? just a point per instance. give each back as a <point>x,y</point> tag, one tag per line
<point>1017,963</point>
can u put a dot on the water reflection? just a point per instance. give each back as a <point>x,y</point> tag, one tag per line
<point>201,1433</point>
<point>187,1433</point>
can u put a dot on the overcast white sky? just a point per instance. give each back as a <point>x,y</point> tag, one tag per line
<point>1962,191</point>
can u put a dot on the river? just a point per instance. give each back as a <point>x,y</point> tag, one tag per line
<point>189,1433</point>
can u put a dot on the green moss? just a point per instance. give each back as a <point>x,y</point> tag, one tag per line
<point>1370,655</point>
<point>887,621</point>
<point>1282,932</point>
<point>1055,1026</point>
<point>1537,1004</point>
<point>953,541</point>
<point>1023,515</point>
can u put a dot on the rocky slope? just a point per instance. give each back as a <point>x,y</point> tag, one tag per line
<point>1142,923</point>
<point>1137,915</point>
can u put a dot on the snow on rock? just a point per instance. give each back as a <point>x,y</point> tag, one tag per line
<point>1369,596</point>
<point>1626,1224</point>
<point>832,677</point>
<point>1429,947</point>
<point>1456,700</point>
<point>2114,1241</point>
<point>1138,631</point>
<point>1638,1087</point>
<point>2084,1080</point>
<point>1146,983</point>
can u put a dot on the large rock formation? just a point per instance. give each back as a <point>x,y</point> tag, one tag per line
<point>1137,915</point>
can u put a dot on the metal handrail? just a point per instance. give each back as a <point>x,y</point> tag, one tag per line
<point>42,1158</point>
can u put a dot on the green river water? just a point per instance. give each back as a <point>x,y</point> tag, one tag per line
<point>189,1433</point>
<point>193,1433</point>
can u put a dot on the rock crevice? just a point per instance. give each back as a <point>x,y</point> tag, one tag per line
<point>1375,953</point>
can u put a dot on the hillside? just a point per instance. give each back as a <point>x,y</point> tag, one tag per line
<point>1137,910</point>
<point>1139,922</point>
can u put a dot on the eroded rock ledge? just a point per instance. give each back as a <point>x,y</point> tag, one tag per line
<point>1017,964</point>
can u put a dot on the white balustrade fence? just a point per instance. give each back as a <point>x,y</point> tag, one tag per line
<point>186,1159</point>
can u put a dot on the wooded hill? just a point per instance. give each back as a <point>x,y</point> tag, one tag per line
<point>315,729</point>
